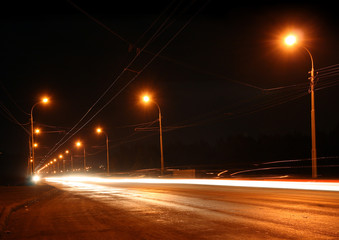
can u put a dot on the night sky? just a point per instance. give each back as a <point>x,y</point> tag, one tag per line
<point>217,77</point>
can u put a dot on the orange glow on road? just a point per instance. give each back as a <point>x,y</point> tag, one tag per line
<point>297,185</point>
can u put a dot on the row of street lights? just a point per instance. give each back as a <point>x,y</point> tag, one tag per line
<point>146,99</point>
<point>79,144</point>
<point>290,40</point>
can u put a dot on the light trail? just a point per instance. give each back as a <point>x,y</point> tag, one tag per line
<point>297,185</point>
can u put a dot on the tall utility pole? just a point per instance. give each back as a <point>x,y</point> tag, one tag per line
<point>99,130</point>
<point>147,99</point>
<point>107,153</point>
<point>84,159</point>
<point>161,148</point>
<point>313,133</point>
<point>291,40</point>
<point>44,101</point>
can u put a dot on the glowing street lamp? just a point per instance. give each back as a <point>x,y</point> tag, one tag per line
<point>43,101</point>
<point>99,131</point>
<point>146,99</point>
<point>63,162</point>
<point>79,144</point>
<point>291,40</point>
<point>68,152</point>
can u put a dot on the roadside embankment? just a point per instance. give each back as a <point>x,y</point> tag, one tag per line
<point>15,197</point>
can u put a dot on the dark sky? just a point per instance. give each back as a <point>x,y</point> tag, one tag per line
<point>211,80</point>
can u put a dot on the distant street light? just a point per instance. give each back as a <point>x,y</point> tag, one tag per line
<point>68,152</point>
<point>291,40</point>
<point>43,101</point>
<point>63,162</point>
<point>147,99</point>
<point>79,144</point>
<point>54,162</point>
<point>99,131</point>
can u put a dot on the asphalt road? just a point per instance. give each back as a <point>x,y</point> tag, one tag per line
<point>83,210</point>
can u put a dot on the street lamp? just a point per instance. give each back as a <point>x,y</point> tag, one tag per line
<point>291,40</point>
<point>63,162</point>
<point>43,101</point>
<point>54,162</point>
<point>78,144</point>
<point>68,152</point>
<point>99,131</point>
<point>147,99</point>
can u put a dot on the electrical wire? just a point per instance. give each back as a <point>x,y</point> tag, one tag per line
<point>98,22</point>
<point>11,118</point>
<point>12,100</point>
<point>59,144</point>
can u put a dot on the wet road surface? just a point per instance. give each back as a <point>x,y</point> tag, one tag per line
<point>89,210</point>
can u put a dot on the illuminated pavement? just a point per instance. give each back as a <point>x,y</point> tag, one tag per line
<point>182,209</point>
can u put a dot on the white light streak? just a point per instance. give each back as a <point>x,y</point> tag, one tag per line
<point>298,185</point>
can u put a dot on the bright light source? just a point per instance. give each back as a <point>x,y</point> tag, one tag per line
<point>60,156</point>
<point>36,178</point>
<point>146,98</point>
<point>35,145</point>
<point>78,143</point>
<point>37,131</point>
<point>45,100</point>
<point>301,185</point>
<point>99,130</point>
<point>290,40</point>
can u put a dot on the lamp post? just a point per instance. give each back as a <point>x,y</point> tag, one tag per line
<point>78,144</point>
<point>291,40</point>
<point>147,99</point>
<point>67,152</point>
<point>99,130</point>
<point>63,162</point>
<point>55,167</point>
<point>44,101</point>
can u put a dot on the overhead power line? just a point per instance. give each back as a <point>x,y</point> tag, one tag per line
<point>60,143</point>
<point>11,117</point>
<point>98,22</point>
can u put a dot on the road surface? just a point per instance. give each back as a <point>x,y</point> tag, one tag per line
<point>129,210</point>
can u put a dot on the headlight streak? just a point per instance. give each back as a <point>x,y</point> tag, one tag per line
<point>35,178</point>
<point>297,185</point>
